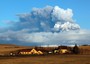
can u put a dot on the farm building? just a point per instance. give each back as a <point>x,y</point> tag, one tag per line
<point>62,50</point>
<point>36,50</point>
<point>42,50</point>
<point>24,51</point>
<point>30,51</point>
<point>45,50</point>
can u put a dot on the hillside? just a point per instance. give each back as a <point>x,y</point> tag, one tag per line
<point>85,47</point>
<point>6,48</point>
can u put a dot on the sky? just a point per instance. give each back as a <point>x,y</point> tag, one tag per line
<point>10,8</point>
<point>66,20</point>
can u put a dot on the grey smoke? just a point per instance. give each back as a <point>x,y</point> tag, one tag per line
<point>47,19</point>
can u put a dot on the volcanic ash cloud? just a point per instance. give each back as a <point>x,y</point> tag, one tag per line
<point>48,19</point>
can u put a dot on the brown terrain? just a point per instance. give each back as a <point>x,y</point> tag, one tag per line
<point>7,48</point>
<point>44,59</point>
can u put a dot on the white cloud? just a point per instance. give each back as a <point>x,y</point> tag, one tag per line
<point>71,37</point>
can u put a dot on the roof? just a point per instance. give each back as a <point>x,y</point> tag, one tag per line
<point>62,47</point>
<point>43,49</point>
<point>25,50</point>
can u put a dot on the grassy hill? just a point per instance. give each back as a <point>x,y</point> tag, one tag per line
<point>85,47</point>
<point>6,48</point>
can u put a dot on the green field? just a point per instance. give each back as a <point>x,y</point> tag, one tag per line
<point>48,59</point>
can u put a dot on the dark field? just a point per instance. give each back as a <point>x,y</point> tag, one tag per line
<point>48,59</point>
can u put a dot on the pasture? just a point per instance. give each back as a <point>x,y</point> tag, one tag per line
<point>47,59</point>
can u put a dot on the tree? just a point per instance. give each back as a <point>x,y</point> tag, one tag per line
<point>76,49</point>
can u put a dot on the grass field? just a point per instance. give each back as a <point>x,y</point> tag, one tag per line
<point>7,48</point>
<point>48,59</point>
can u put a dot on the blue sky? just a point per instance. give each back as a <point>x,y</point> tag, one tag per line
<point>10,8</point>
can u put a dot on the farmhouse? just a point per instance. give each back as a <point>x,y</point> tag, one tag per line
<point>62,50</point>
<point>30,51</point>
